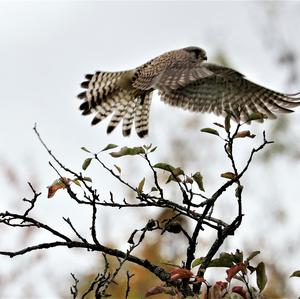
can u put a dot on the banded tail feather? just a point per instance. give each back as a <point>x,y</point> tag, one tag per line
<point>112,93</point>
<point>142,115</point>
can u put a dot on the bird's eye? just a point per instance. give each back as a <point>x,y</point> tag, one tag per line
<point>197,53</point>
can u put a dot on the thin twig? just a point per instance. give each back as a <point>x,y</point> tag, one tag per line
<point>74,287</point>
<point>114,174</point>
<point>94,217</point>
<point>7,217</point>
<point>154,176</point>
<point>31,201</point>
<point>68,221</point>
<point>128,276</point>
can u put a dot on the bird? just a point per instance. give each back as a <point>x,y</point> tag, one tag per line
<point>184,79</point>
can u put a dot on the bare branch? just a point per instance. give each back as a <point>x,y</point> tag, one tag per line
<point>31,201</point>
<point>74,287</point>
<point>7,217</point>
<point>155,177</point>
<point>89,196</point>
<point>128,276</point>
<point>68,221</point>
<point>118,177</point>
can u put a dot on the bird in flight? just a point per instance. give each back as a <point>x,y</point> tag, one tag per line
<point>183,79</point>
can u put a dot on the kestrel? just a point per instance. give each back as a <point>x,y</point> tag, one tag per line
<point>183,79</point>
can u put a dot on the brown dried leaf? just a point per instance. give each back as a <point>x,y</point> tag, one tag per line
<point>242,134</point>
<point>58,184</point>
<point>228,175</point>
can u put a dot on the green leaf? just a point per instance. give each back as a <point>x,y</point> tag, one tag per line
<point>153,189</point>
<point>85,149</point>
<point>153,149</point>
<point>210,131</point>
<point>228,148</point>
<point>239,190</point>
<point>295,274</point>
<point>225,260</point>
<point>140,187</point>
<point>256,116</point>
<point>198,178</point>
<point>219,125</point>
<point>86,163</point>
<point>109,146</point>
<point>252,255</point>
<point>173,178</point>
<point>197,262</point>
<point>238,256</point>
<point>87,179</point>
<point>147,147</point>
<point>76,182</point>
<point>175,172</point>
<point>60,181</point>
<point>261,276</point>
<point>128,151</point>
<point>118,168</point>
<point>165,166</point>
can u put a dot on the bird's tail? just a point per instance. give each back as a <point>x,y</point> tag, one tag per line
<point>112,93</point>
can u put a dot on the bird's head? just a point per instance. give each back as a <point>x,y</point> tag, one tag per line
<point>198,53</point>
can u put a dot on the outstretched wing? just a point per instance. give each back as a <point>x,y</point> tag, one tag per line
<point>178,78</point>
<point>171,70</point>
<point>172,78</point>
<point>227,90</point>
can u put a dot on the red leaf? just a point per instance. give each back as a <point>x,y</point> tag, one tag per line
<point>239,290</point>
<point>58,184</point>
<point>231,272</point>
<point>160,290</point>
<point>217,291</point>
<point>180,273</point>
<point>198,280</point>
<point>222,284</point>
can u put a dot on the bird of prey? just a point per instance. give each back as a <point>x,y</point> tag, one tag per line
<point>183,79</point>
